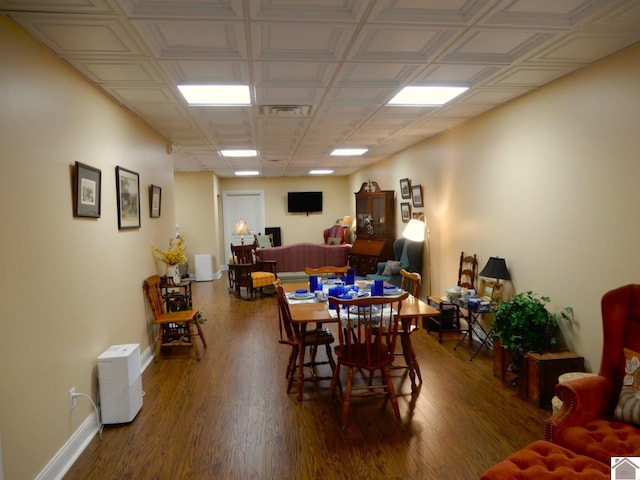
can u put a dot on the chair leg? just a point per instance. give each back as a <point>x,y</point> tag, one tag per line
<point>292,368</point>
<point>159,340</point>
<point>391,393</point>
<point>332,362</point>
<point>346,398</point>
<point>192,333</point>
<point>200,334</point>
<point>335,381</point>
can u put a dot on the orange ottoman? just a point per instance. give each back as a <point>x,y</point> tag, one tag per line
<point>544,460</point>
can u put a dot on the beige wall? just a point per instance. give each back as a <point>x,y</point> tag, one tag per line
<point>550,183</point>
<point>337,202</point>
<point>197,214</point>
<point>70,287</point>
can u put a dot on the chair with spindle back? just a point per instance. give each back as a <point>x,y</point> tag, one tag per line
<point>327,271</point>
<point>368,329</point>
<point>175,329</point>
<point>290,335</point>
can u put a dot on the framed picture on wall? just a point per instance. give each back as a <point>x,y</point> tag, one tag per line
<point>128,193</point>
<point>87,191</point>
<point>155,201</point>
<point>405,188</point>
<point>416,196</point>
<point>405,210</point>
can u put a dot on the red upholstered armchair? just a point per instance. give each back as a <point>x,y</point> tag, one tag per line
<point>338,234</point>
<point>585,423</point>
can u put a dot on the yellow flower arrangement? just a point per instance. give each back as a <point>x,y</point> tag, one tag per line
<point>174,255</point>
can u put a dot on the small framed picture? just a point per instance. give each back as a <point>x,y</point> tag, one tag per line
<point>405,188</point>
<point>87,191</point>
<point>416,196</point>
<point>128,193</point>
<point>490,290</point>
<point>155,201</point>
<point>405,210</point>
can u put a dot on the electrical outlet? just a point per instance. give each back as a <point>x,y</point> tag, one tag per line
<point>72,398</point>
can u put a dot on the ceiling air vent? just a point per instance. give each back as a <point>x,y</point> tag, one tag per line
<point>285,110</point>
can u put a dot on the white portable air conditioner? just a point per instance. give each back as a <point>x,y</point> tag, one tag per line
<point>120,383</point>
<point>204,267</point>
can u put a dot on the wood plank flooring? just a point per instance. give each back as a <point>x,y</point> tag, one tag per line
<point>229,417</point>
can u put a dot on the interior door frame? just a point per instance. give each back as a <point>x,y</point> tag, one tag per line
<point>257,215</point>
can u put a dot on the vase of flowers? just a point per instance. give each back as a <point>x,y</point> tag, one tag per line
<point>173,257</point>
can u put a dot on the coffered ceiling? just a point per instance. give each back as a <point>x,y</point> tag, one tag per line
<point>320,71</point>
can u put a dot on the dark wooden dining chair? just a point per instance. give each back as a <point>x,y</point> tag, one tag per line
<point>290,335</point>
<point>175,329</point>
<point>410,282</point>
<point>368,329</point>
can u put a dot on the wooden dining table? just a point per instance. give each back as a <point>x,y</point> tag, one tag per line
<point>317,312</point>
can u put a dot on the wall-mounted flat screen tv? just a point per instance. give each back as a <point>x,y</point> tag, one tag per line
<point>304,202</point>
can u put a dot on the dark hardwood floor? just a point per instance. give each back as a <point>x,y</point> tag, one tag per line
<point>229,417</point>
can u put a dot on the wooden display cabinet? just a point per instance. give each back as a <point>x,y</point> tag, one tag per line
<point>375,228</point>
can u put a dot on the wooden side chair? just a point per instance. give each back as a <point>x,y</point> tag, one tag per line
<point>290,335</point>
<point>450,314</point>
<point>246,272</point>
<point>327,271</point>
<point>410,282</point>
<point>368,329</point>
<point>468,271</point>
<point>175,329</point>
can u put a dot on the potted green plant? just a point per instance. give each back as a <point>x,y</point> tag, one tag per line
<point>524,325</point>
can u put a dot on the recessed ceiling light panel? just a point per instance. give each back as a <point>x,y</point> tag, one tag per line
<point>216,94</point>
<point>320,172</point>
<point>420,96</point>
<point>239,153</point>
<point>247,173</point>
<point>348,152</point>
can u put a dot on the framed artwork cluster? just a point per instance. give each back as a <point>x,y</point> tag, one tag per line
<point>413,193</point>
<point>87,195</point>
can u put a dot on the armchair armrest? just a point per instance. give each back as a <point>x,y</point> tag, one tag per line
<point>584,400</point>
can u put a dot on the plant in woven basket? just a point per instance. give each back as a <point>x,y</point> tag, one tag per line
<point>524,325</point>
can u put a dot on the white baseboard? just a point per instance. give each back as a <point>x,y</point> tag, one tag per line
<point>62,461</point>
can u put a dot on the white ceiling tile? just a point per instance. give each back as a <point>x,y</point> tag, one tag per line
<point>206,72</point>
<point>399,43</point>
<point>191,39</point>
<point>300,41</point>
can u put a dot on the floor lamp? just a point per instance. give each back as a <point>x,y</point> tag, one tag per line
<point>415,231</point>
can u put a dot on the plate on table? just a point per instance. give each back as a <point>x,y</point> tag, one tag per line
<point>355,309</point>
<point>302,295</point>
<point>393,291</point>
<point>332,281</point>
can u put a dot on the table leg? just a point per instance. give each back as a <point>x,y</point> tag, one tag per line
<point>408,353</point>
<point>301,349</point>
